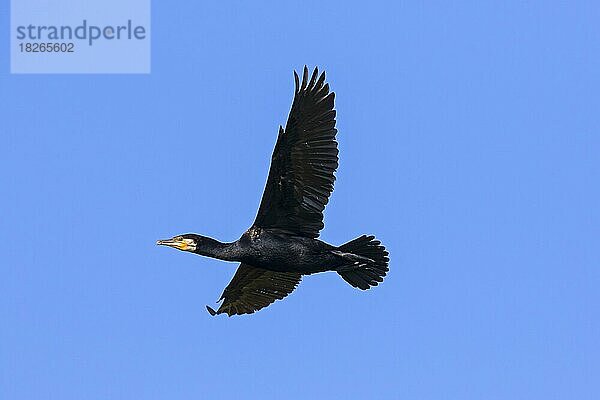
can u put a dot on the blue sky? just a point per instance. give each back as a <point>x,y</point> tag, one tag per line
<point>469,143</point>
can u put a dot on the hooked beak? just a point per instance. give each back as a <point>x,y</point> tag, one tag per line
<point>179,243</point>
<point>170,242</point>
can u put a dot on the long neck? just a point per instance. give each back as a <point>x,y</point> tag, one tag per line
<point>222,251</point>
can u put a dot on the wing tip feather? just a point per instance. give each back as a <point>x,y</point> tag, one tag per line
<point>304,78</point>
<point>211,311</point>
<point>313,79</point>
<point>296,82</point>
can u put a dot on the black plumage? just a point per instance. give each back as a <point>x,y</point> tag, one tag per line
<point>282,244</point>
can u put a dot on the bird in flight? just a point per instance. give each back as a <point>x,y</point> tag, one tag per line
<point>281,245</point>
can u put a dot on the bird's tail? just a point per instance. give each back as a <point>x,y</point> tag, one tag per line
<point>367,262</point>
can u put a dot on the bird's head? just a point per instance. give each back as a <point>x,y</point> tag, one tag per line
<point>188,242</point>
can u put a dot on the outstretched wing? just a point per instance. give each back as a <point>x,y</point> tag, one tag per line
<point>303,162</point>
<point>254,288</point>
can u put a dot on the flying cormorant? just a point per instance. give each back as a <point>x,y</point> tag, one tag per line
<point>282,244</point>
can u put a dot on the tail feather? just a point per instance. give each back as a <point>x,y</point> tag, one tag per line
<point>367,262</point>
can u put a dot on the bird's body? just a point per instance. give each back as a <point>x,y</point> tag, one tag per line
<point>282,252</point>
<point>276,251</point>
<point>282,244</point>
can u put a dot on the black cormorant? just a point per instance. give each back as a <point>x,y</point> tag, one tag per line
<point>282,244</point>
